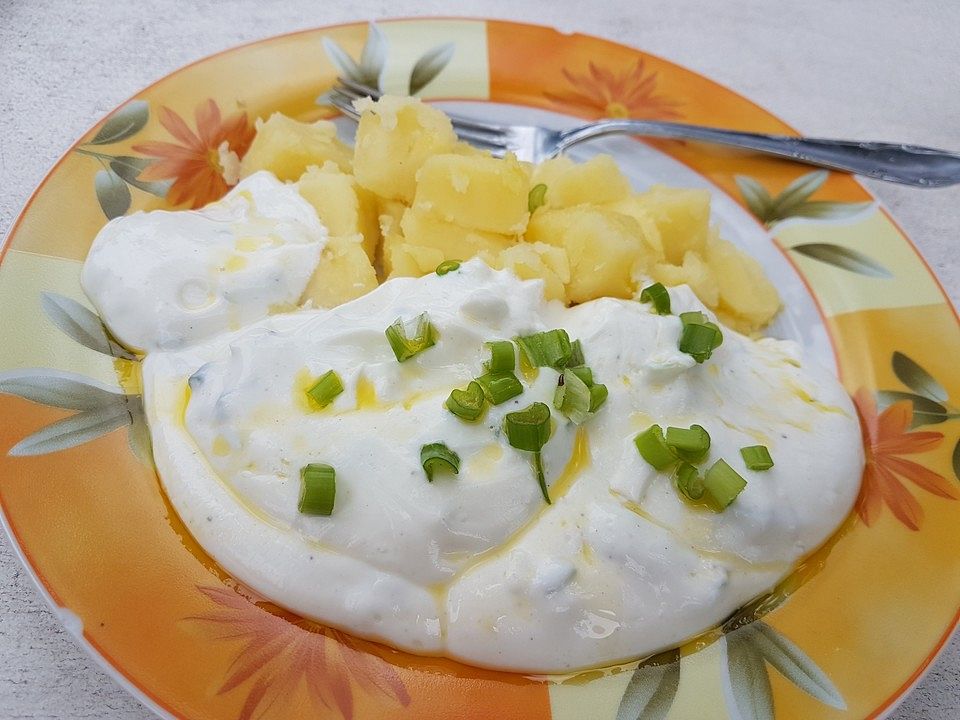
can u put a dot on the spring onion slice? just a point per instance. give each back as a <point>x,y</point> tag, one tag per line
<point>551,348</point>
<point>689,444</point>
<point>537,197</point>
<point>326,388</point>
<point>699,337</point>
<point>657,295</point>
<point>572,397</point>
<point>502,357</point>
<point>576,354</point>
<point>529,430</point>
<point>721,485</point>
<point>499,387</point>
<point>598,396</point>
<point>756,457</point>
<point>447,266</point>
<point>405,347</point>
<point>653,448</point>
<point>467,404</point>
<point>582,372</point>
<point>437,456</point>
<point>318,489</point>
<point>688,481</point>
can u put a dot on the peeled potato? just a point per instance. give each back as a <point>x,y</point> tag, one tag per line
<point>478,192</point>
<point>693,272</point>
<point>455,242</point>
<point>744,291</point>
<point>287,147</point>
<point>682,217</point>
<point>343,273</point>
<point>597,181</point>
<point>537,261</point>
<point>395,137</point>
<point>602,246</point>
<point>343,206</point>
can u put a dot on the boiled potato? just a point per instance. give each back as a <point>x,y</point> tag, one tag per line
<point>343,206</point>
<point>536,261</point>
<point>396,135</point>
<point>455,242</point>
<point>602,246</point>
<point>596,182</point>
<point>286,147</point>
<point>745,293</point>
<point>682,217</point>
<point>483,193</point>
<point>403,259</point>
<point>343,273</point>
<point>634,207</point>
<point>693,272</point>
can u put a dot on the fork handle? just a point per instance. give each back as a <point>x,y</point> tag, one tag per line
<point>907,164</point>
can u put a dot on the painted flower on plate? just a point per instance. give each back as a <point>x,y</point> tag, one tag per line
<point>205,163</point>
<point>887,438</point>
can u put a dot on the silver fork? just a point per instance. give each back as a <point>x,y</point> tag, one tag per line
<point>906,164</point>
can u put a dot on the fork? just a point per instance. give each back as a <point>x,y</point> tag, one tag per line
<point>894,162</point>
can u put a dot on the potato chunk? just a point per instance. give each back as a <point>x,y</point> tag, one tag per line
<point>343,273</point>
<point>682,216</point>
<point>595,182</point>
<point>343,206</point>
<point>395,137</point>
<point>536,261</point>
<point>287,147</point>
<point>403,259</point>
<point>478,192</point>
<point>693,272</point>
<point>453,241</point>
<point>603,248</point>
<point>745,293</point>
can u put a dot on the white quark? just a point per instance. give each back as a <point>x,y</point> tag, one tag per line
<point>476,566</point>
<point>165,279</point>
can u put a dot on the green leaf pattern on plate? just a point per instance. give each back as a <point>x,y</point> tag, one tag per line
<point>123,124</point>
<point>844,258</point>
<point>651,690</point>
<point>795,202</point>
<point>368,70</point>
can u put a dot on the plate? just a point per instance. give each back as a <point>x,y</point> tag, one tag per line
<point>843,637</point>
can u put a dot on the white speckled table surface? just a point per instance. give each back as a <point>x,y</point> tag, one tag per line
<point>864,69</point>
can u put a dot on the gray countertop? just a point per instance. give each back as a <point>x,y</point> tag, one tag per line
<point>864,69</point>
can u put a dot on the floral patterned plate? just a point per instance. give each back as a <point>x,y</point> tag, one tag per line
<point>843,637</point>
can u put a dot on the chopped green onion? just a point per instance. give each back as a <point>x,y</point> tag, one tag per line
<point>658,295</point>
<point>598,396</point>
<point>572,397</point>
<point>437,456</point>
<point>688,444</point>
<point>405,348</point>
<point>688,481</point>
<point>318,489</point>
<point>756,457</point>
<point>529,430</point>
<point>653,448</point>
<point>467,404</point>
<point>582,372</point>
<point>551,348</point>
<point>448,266</point>
<point>699,337</point>
<point>722,484</point>
<point>576,354</point>
<point>694,317</point>
<point>502,357</point>
<point>499,387</point>
<point>326,388</point>
<point>537,197</point>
